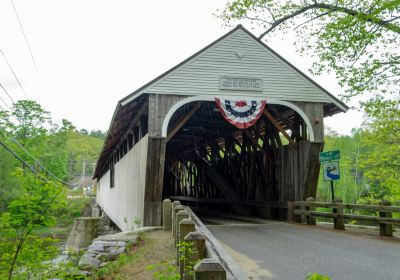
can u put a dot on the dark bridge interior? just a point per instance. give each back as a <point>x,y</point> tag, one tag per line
<point>210,164</point>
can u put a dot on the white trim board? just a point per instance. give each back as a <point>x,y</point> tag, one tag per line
<point>179,104</point>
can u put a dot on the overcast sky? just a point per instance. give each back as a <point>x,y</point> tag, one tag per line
<point>92,53</point>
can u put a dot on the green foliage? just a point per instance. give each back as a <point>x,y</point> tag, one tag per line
<point>164,271</point>
<point>73,209</point>
<point>357,39</point>
<point>316,276</point>
<point>370,158</point>
<point>382,139</point>
<point>137,222</point>
<point>21,252</point>
<point>63,270</point>
<point>61,150</point>
<point>82,148</point>
<point>30,206</point>
<point>28,120</point>
<point>167,271</point>
<point>186,252</point>
<point>112,267</point>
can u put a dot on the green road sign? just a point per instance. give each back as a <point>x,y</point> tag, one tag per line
<point>329,156</point>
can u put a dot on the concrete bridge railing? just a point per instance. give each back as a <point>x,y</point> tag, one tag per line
<point>212,262</point>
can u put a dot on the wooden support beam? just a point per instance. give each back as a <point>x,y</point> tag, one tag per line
<point>285,120</point>
<point>278,126</point>
<point>183,120</point>
<point>223,186</point>
<point>131,124</point>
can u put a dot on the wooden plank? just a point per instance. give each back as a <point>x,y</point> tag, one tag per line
<point>315,113</point>
<point>136,119</point>
<point>310,152</point>
<point>278,126</point>
<point>183,120</point>
<point>374,208</point>
<point>224,187</point>
<point>154,182</point>
<point>381,220</point>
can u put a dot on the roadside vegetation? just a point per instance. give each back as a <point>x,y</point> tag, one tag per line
<point>41,182</point>
<point>369,163</point>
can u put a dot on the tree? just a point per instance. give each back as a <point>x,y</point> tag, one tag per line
<point>67,126</point>
<point>357,39</point>
<point>382,139</point>
<point>21,252</point>
<point>83,131</point>
<point>29,119</point>
<point>98,134</point>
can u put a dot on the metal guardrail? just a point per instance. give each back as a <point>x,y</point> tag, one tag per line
<point>306,210</point>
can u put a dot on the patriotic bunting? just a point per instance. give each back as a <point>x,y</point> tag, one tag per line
<point>241,113</point>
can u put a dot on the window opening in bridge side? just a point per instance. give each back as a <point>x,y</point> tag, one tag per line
<point>112,175</point>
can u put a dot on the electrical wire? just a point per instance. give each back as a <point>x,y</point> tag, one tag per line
<point>36,161</point>
<point>15,76</point>
<point>29,48</point>
<point>20,159</point>
<point>12,100</point>
<point>5,103</point>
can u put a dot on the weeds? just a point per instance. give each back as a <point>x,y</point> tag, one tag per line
<point>164,271</point>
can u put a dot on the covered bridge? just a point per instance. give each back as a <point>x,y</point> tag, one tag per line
<point>235,127</point>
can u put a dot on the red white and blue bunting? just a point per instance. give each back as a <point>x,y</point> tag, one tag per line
<point>241,113</point>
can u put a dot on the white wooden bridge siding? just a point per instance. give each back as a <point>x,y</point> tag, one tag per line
<point>126,200</point>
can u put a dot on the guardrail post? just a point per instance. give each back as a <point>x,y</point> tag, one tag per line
<point>310,219</point>
<point>290,211</point>
<point>182,214</point>
<point>385,229</point>
<point>175,210</point>
<point>303,217</point>
<point>198,242</point>
<point>199,245</point>
<point>167,214</point>
<point>209,269</point>
<point>338,222</point>
<point>185,227</point>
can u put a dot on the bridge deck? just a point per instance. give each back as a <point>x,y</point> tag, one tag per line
<point>279,250</point>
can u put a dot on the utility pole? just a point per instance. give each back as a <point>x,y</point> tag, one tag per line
<point>83,173</point>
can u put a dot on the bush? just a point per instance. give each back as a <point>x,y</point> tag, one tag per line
<point>316,276</point>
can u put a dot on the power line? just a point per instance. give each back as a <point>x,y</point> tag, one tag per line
<point>15,76</point>
<point>7,93</point>
<point>40,164</point>
<point>29,47</point>
<point>20,159</point>
<point>5,103</point>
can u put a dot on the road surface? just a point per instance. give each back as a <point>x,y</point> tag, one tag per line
<point>283,251</point>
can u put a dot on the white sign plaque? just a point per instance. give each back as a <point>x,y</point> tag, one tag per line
<point>240,83</point>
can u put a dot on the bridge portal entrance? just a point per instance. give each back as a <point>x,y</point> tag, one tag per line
<point>211,164</point>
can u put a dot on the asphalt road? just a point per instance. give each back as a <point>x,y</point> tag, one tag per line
<point>283,251</point>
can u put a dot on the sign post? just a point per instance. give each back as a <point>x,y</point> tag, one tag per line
<point>330,167</point>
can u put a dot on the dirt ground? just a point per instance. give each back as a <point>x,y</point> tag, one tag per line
<point>158,246</point>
